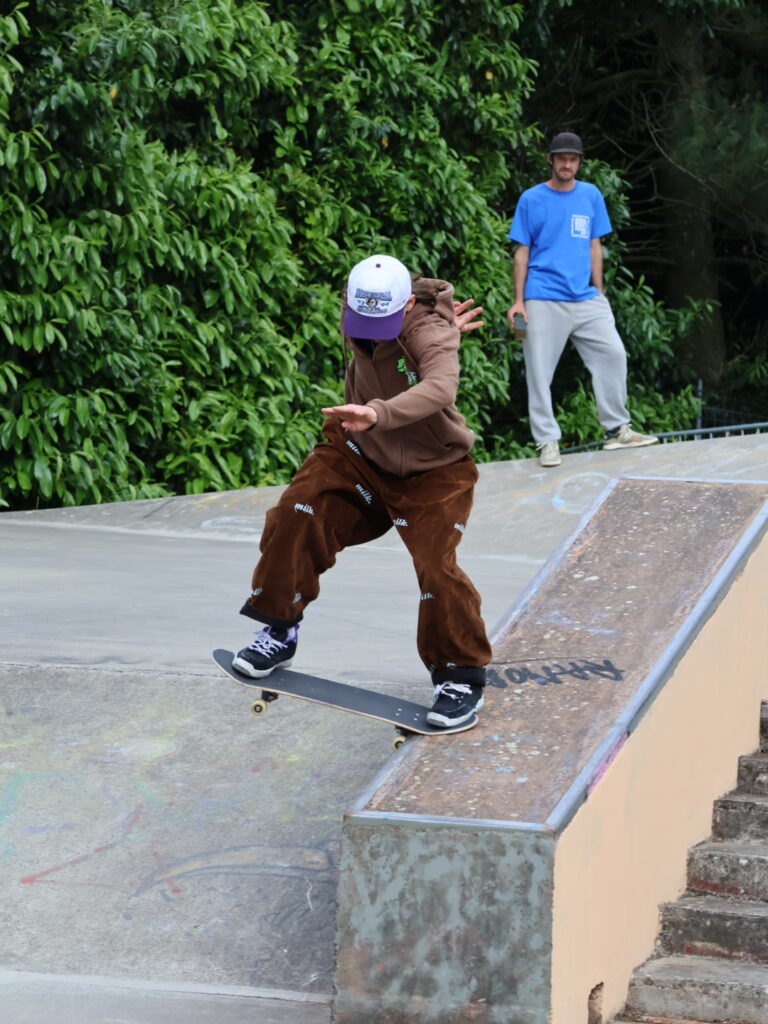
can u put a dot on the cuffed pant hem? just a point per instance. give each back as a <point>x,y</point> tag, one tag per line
<point>268,620</point>
<point>473,675</point>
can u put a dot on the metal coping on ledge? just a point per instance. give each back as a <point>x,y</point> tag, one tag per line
<point>375,819</point>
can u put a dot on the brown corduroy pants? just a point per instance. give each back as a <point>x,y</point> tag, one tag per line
<point>337,499</point>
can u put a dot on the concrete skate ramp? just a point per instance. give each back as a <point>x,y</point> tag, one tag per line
<point>479,828</point>
<point>155,837</point>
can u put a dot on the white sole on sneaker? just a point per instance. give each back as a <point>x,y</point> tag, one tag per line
<point>611,446</point>
<point>247,669</point>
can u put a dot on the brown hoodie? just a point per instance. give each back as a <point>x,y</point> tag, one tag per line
<point>411,382</point>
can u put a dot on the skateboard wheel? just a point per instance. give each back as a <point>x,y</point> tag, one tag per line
<point>259,707</point>
<point>397,742</point>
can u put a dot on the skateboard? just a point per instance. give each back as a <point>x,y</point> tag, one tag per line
<point>407,717</point>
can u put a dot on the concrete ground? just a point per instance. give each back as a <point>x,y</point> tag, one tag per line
<point>165,855</point>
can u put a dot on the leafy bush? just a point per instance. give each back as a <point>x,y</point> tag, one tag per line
<point>142,257</point>
<point>184,186</point>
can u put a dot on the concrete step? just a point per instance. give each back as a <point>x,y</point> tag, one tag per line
<point>729,869</point>
<point>753,774</point>
<point>700,988</point>
<point>650,1018</point>
<point>740,816</point>
<point>715,926</point>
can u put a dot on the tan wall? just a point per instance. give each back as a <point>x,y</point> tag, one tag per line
<point>625,850</point>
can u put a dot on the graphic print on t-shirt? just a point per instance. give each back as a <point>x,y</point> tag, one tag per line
<point>579,225</point>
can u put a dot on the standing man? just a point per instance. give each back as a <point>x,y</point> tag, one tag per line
<point>558,281</point>
<point>396,454</point>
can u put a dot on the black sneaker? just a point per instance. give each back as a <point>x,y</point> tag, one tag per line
<point>455,703</point>
<point>272,648</point>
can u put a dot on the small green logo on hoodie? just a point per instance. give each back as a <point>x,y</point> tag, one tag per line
<point>410,374</point>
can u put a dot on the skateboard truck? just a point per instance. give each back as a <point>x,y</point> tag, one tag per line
<point>260,706</point>
<point>402,736</point>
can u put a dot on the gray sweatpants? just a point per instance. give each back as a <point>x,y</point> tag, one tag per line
<point>592,329</point>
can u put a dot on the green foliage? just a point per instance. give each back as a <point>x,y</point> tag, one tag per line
<point>184,186</point>
<point>143,259</point>
<point>723,139</point>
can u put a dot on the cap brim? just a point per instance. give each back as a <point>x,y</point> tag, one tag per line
<point>374,328</point>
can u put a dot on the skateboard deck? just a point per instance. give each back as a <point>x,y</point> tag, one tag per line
<point>406,716</point>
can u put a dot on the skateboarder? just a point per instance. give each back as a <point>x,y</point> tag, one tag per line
<point>395,454</point>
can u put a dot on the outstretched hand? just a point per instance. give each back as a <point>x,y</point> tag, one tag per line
<point>465,315</point>
<point>353,417</point>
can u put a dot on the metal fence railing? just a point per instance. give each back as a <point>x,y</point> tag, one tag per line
<point>717,416</point>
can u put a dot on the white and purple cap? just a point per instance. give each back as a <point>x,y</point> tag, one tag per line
<point>378,290</point>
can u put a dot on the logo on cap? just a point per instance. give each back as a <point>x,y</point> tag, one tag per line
<point>378,290</point>
<point>372,303</point>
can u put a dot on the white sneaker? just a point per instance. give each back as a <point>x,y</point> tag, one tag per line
<point>549,453</point>
<point>628,438</point>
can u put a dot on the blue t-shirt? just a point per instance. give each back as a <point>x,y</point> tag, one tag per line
<point>558,227</point>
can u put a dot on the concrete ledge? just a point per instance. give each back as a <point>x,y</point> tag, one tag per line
<point>442,924</point>
<point>607,692</point>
